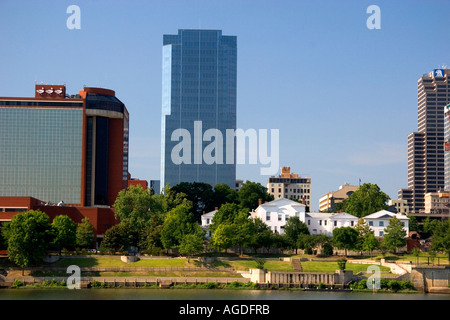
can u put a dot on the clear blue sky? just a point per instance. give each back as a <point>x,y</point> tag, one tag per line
<point>344,97</point>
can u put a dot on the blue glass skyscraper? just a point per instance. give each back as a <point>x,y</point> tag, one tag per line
<point>198,87</point>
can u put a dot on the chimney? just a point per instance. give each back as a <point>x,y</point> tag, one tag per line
<point>216,208</point>
<point>259,201</point>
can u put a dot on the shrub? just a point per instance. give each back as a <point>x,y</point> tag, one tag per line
<point>211,285</point>
<point>341,263</point>
<point>394,285</point>
<point>260,263</point>
<point>17,283</point>
<point>327,249</point>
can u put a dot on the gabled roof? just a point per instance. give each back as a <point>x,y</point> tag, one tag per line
<point>343,215</point>
<point>209,214</point>
<point>384,214</point>
<point>282,202</point>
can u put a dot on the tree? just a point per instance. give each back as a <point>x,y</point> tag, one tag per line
<point>370,243</point>
<point>395,234</point>
<point>262,235</point>
<point>28,236</point>
<point>366,200</point>
<point>135,205</point>
<point>250,193</point>
<point>178,222</point>
<point>227,213</point>
<point>85,234</point>
<point>345,238</point>
<point>292,229</point>
<point>223,236</point>
<point>363,232</point>
<point>223,193</point>
<point>191,244</point>
<point>200,194</point>
<point>440,240</point>
<point>243,230</point>
<point>115,239</point>
<point>65,231</point>
<point>151,234</point>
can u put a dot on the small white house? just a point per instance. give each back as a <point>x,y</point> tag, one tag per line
<point>277,212</point>
<point>378,221</point>
<point>206,221</point>
<point>325,223</point>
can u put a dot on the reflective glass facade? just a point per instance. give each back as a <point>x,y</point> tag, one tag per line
<point>198,84</point>
<point>41,153</point>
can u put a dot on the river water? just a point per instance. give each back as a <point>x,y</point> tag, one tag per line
<point>203,294</point>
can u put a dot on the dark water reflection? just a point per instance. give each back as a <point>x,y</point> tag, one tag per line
<point>202,294</point>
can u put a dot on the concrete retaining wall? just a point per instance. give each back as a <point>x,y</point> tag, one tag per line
<point>431,279</point>
<point>340,277</point>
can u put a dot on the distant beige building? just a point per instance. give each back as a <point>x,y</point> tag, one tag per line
<point>437,202</point>
<point>290,186</point>
<point>400,205</point>
<point>329,200</point>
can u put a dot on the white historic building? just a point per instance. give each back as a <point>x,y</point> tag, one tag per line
<point>325,223</point>
<point>206,219</point>
<point>378,221</point>
<point>276,213</point>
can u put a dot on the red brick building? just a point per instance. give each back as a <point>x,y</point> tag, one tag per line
<point>67,149</point>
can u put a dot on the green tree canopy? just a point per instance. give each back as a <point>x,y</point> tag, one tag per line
<point>370,243</point>
<point>366,200</point>
<point>28,236</point>
<point>250,193</point>
<point>440,240</point>
<point>191,243</point>
<point>65,231</point>
<point>363,232</point>
<point>115,238</point>
<point>395,234</point>
<point>345,238</point>
<point>293,229</point>
<point>223,236</point>
<point>223,193</point>
<point>227,213</point>
<point>85,234</point>
<point>200,194</point>
<point>178,222</point>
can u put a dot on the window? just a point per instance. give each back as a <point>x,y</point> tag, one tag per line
<point>335,223</point>
<point>381,224</point>
<point>371,223</point>
<point>279,217</point>
<point>320,222</point>
<point>325,222</point>
<point>381,233</point>
<point>309,222</point>
<point>352,223</point>
<point>267,216</point>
